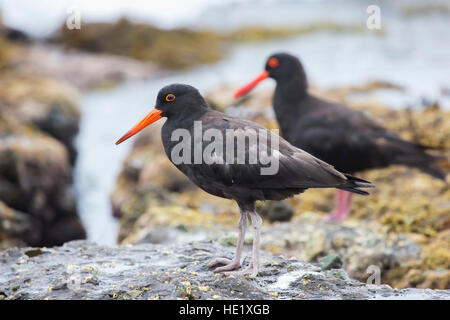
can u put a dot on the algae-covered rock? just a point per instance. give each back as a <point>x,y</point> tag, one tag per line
<point>358,245</point>
<point>176,271</point>
<point>170,49</point>
<point>331,261</point>
<point>256,33</point>
<point>43,103</point>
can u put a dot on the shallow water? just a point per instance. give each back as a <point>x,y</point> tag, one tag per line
<point>413,53</point>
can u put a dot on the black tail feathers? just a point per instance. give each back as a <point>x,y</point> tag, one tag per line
<point>353,184</point>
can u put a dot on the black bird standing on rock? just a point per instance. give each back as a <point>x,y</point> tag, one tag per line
<point>185,108</point>
<point>342,137</point>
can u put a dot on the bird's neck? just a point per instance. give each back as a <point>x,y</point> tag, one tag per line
<point>287,101</point>
<point>186,119</point>
<point>182,121</point>
<point>185,124</point>
<point>291,88</point>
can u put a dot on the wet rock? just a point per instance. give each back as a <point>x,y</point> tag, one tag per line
<point>177,271</point>
<point>358,244</point>
<point>352,246</point>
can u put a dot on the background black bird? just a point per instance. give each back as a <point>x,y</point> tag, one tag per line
<point>183,106</point>
<point>345,138</point>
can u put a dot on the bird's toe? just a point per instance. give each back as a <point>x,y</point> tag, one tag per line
<point>217,261</point>
<point>233,265</point>
<point>247,272</point>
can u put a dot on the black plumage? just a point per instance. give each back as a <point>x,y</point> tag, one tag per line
<point>342,137</point>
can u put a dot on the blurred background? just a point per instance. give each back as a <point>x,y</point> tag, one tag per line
<point>75,75</point>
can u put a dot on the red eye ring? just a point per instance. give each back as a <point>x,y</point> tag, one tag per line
<point>170,97</point>
<point>273,62</point>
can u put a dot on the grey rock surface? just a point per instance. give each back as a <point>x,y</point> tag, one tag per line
<point>82,270</point>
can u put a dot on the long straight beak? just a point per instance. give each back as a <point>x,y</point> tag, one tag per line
<point>263,75</point>
<point>153,116</point>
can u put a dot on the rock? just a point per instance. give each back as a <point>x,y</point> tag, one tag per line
<point>39,118</point>
<point>230,239</point>
<point>85,70</point>
<point>355,247</point>
<point>177,271</point>
<point>315,245</point>
<point>35,178</point>
<point>15,227</point>
<point>331,261</point>
<point>358,245</point>
<point>170,49</point>
<point>43,103</point>
<point>12,34</point>
<point>275,210</point>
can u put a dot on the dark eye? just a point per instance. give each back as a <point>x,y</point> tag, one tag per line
<point>273,62</point>
<point>170,97</point>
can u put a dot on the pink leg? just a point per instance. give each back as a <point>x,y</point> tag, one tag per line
<point>253,267</point>
<point>332,216</point>
<point>236,262</point>
<point>343,213</point>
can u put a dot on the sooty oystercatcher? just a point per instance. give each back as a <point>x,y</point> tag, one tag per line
<point>342,137</point>
<point>232,174</point>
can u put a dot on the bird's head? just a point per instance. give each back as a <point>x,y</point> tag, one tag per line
<point>281,67</point>
<point>172,100</point>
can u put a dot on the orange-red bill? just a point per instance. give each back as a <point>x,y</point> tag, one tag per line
<point>263,75</point>
<point>153,116</point>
